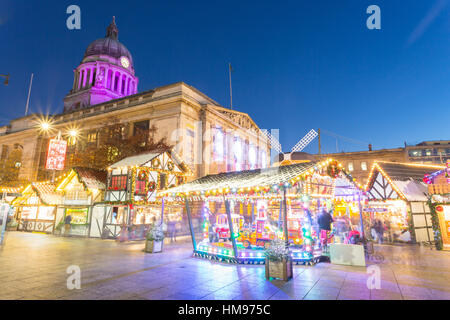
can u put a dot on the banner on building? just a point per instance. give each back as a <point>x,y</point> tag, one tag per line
<point>56,154</point>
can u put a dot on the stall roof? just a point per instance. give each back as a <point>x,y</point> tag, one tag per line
<point>407,171</point>
<point>412,190</point>
<point>137,160</point>
<point>144,159</point>
<point>46,191</point>
<point>247,178</point>
<point>90,178</point>
<point>406,180</point>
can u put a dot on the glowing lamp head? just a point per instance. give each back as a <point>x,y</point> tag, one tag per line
<point>73,133</point>
<point>45,126</point>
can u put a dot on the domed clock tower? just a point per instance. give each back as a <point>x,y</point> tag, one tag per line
<point>105,73</point>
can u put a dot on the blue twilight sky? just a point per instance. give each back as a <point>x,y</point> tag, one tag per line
<point>297,64</point>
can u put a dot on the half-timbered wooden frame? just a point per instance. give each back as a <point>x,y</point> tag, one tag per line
<point>398,188</point>
<point>131,187</point>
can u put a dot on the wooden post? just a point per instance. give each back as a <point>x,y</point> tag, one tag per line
<point>191,228</point>
<point>253,212</point>
<point>162,220</point>
<point>286,233</point>
<point>360,214</point>
<point>162,210</point>
<point>230,223</point>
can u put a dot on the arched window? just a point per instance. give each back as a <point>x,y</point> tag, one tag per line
<point>122,89</point>
<point>88,78</point>
<point>94,76</point>
<point>116,82</point>
<point>109,79</point>
<point>82,79</point>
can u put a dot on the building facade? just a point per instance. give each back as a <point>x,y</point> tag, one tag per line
<point>207,136</point>
<point>358,163</point>
<point>437,151</point>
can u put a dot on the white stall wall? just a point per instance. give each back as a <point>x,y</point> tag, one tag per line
<point>96,227</point>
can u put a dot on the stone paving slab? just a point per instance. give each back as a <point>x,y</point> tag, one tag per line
<point>33,267</point>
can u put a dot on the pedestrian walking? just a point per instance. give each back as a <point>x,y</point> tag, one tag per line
<point>171,226</point>
<point>380,231</point>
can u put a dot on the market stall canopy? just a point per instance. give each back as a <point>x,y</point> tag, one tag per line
<point>44,191</point>
<point>391,180</point>
<point>249,179</point>
<point>145,160</point>
<point>90,178</point>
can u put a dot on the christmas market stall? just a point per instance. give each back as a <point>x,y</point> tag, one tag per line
<point>8,194</point>
<point>397,209</point>
<point>130,203</point>
<point>235,216</point>
<point>439,190</point>
<point>35,209</point>
<point>81,189</point>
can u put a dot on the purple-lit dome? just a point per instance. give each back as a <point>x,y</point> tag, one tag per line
<point>109,45</point>
<point>105,73</point>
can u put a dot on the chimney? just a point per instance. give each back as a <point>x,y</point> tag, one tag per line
<point>370,147</point>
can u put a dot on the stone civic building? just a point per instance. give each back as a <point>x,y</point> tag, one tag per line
<point>208,137</point>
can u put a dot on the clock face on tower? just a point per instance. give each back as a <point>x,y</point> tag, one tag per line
<point>124,62</point>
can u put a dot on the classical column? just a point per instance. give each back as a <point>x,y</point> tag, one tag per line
<point>105,77</point>
<point>113,80</point>
<point>75,80</point>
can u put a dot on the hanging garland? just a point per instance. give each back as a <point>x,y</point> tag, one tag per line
<point>170,166</point>
<point>435,208</point>
<point>333,169</point>
<point>156,163</point>
<point>142,175</point>
<point>151,186</point>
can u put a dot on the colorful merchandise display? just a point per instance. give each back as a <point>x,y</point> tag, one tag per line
<point>234,216</point>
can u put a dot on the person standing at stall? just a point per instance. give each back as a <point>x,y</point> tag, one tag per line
<point>67,224</point>
<point>324,220</point>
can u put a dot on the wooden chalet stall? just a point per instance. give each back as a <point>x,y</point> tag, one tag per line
<point>397,196</point>
<point>132,183</point>
<point>81,189</point>
<point>285,202</point>
<point>35,209</point>
<point>439,190</point>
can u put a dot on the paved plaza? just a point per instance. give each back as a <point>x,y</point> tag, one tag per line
<point>33,266</point>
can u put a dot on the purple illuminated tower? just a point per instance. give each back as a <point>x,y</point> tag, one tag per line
<point>105,73</point>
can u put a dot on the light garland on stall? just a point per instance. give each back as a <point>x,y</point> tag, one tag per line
<point>265,191</point>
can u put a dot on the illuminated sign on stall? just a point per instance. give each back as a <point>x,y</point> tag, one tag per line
<point>56,154</point>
